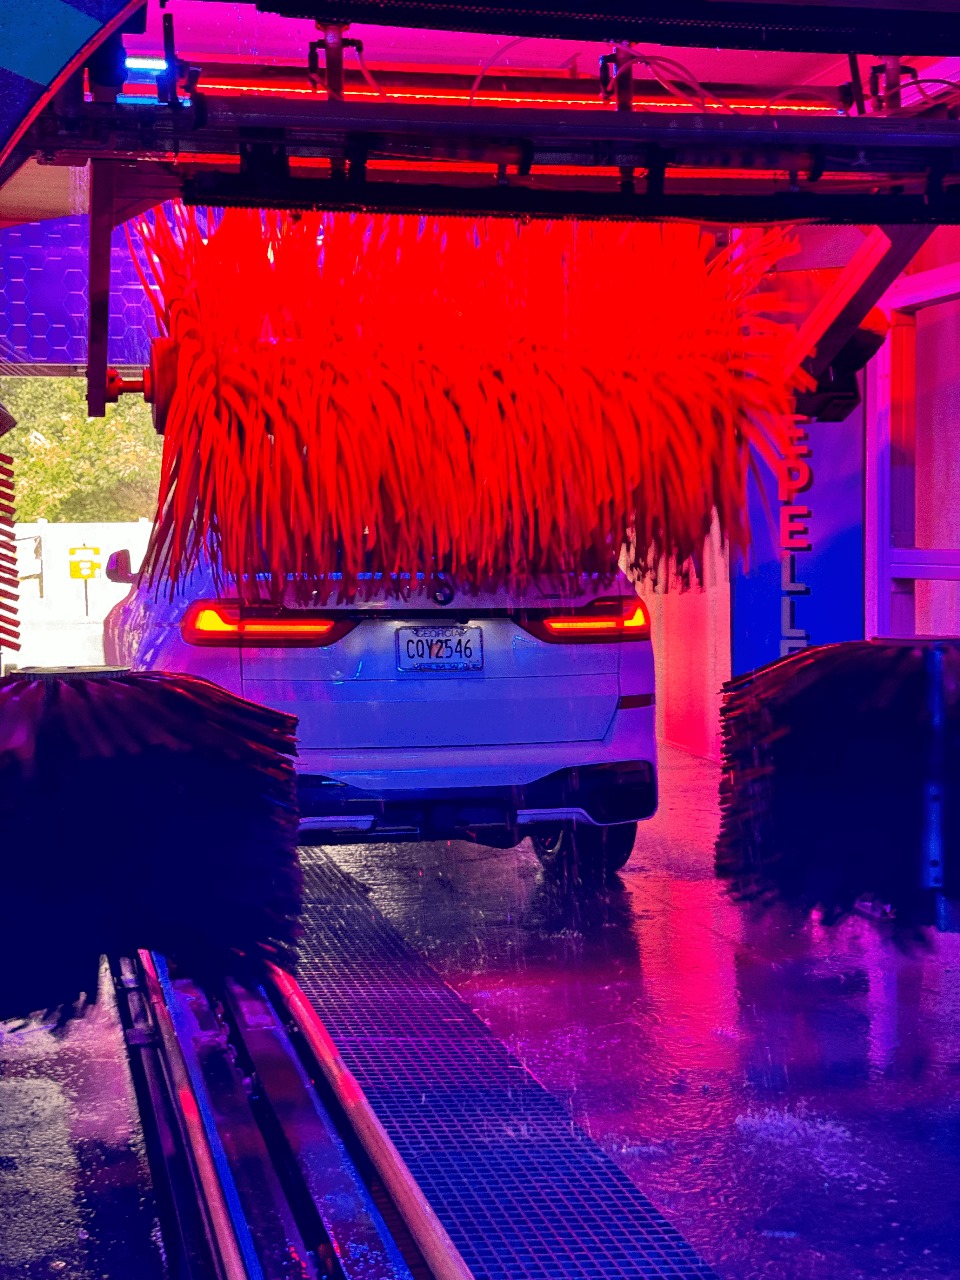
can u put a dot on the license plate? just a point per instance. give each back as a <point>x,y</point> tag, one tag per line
<point>440,648</point>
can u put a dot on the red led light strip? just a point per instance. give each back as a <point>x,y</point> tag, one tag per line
<point>9,580</point>
<point>491,99</point>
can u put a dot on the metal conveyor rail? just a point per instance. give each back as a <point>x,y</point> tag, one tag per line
<point>269,1162</point>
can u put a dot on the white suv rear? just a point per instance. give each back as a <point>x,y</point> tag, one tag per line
<point>430,713</point>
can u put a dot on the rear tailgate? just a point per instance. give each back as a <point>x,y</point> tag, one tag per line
<point>354,694</point>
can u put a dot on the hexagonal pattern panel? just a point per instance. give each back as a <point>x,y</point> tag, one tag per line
<point>43,296</point>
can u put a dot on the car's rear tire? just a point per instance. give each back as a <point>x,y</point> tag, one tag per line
<point>585,855</point>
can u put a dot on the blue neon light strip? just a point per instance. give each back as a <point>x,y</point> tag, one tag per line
<point>146,64</point>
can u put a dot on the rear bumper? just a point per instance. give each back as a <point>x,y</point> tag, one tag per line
<point>598,795</point>
<point>400,772</point>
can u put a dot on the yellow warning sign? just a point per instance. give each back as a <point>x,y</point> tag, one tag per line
<point>84,562</point>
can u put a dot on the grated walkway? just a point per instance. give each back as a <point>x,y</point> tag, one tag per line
<point>524,1193</point>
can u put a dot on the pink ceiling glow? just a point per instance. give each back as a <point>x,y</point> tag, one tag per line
<point>237,32</point>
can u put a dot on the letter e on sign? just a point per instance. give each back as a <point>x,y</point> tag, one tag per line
<point>794,530</point>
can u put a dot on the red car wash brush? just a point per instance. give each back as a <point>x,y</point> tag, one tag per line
<point>140,810</point>
<point>841,780</point>
<point>481,398</point>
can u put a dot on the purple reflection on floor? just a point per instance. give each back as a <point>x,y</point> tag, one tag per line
<point>75,1196</point>
<point>789,1096</point>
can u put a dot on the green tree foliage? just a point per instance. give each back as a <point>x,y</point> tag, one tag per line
<point>71,467</point>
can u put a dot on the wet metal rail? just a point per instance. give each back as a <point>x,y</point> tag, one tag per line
<point>267,1161</point>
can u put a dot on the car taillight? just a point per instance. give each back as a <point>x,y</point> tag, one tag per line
<point>611,620</point>
<point>220,622</point>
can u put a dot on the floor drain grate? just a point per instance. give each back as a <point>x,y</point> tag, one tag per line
<point>524,1193</point>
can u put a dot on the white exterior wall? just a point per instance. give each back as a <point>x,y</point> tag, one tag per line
<point>61,628</point>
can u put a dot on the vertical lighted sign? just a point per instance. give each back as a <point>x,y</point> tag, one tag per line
<point>794,480</point>
<point>803,583</point>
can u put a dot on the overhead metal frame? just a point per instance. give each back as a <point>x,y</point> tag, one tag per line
<point>338,153</point>
<point>117,192</point>
<point>526,162</point>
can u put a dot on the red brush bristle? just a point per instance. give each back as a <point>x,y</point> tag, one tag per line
<point>9,580</point>
<point>481,398</point>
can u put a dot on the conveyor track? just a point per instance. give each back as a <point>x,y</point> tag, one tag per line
<point>260,1172</point>
<point>404,1144</point>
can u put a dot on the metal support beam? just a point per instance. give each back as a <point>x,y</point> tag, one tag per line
<point>333,61</point>
<point>536,201</point>
<point>923,289</point>
<point>856,291</point>
<point>891,82</point>
<point>102,174</point>
<point>707,168</point>
<point>118,191</point>
<point>624,92</point>
<point>863,150</point>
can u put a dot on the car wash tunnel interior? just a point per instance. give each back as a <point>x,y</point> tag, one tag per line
<point>479,640</point>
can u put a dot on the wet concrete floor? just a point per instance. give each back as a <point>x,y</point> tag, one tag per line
<point>75,1201</point>
<point>787,1095</point>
